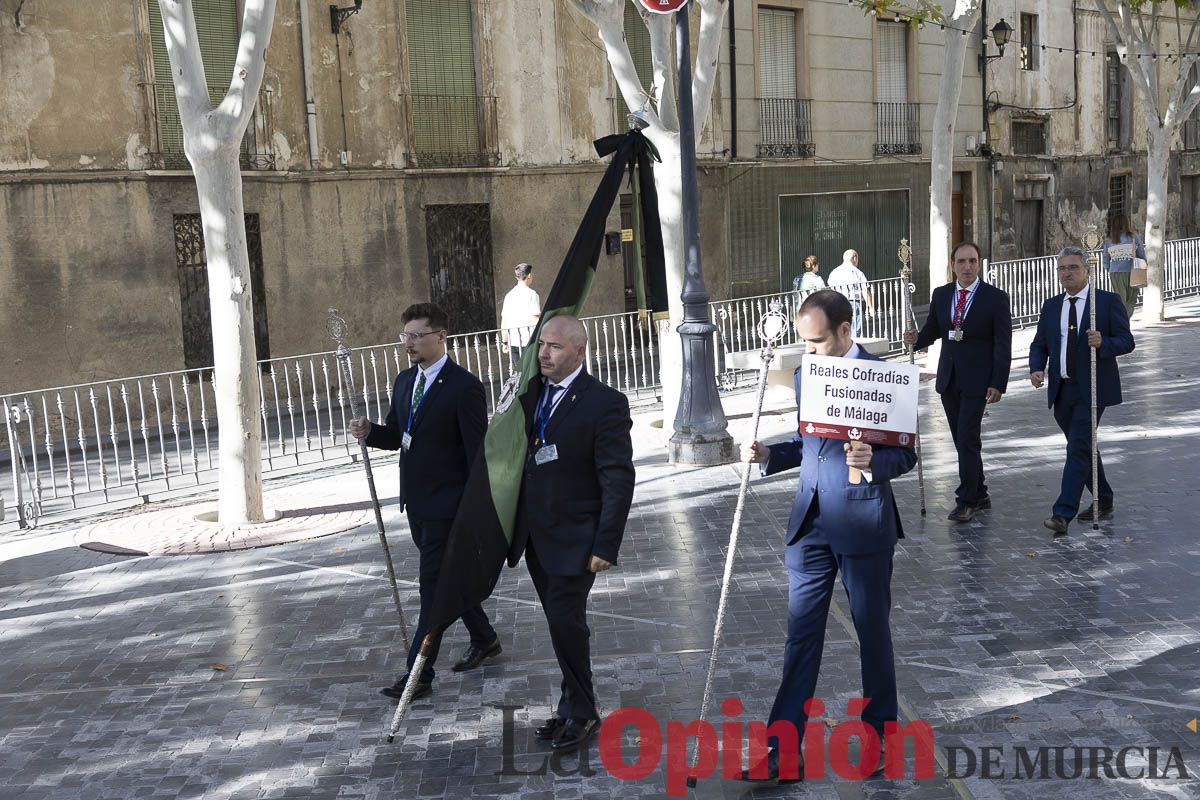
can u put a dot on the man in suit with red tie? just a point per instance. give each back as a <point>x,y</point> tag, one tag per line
<point>437,420</point>
<point>973,321</point>
<point>1059,357</point>
<point>575,499</point>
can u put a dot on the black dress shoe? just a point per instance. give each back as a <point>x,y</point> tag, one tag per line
<point>757,774</point>
<point>1057,524</point>
<point>1106,512</point>
<point>574,733</point>
<point>476,656</point>
<point>962,513</point>
<point>549,729</point>
<point>983,503</point>
<point>396,690</point>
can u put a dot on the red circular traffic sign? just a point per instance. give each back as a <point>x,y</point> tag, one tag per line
<point>663,6</point>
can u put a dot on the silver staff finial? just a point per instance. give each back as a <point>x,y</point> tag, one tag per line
<point>773,325</point>
<point>336,326</point>
<point>1092,239</point>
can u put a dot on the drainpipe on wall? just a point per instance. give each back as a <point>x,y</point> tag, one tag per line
<point>310,106</point>
<point>986,132</point>
<point>733,97</point>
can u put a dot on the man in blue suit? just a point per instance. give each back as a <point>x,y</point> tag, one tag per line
<point>1059,358</point>
<point>834,526</point>
<point>973,321</point>
<point>437,420</point>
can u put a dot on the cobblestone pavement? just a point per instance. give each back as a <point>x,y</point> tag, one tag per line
<point>254,674</point>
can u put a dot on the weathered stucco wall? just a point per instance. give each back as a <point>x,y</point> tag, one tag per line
<point>88,279</point>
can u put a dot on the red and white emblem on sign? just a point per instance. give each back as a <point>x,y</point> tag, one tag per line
<point>663,6</point>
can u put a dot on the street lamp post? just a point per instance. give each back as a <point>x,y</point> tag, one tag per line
<point>700,434</point>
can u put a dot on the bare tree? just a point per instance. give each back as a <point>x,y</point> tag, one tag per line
<point>663,131</point>
<point>963,15</point>
<point>1136,34</point>
<point>211,140</point>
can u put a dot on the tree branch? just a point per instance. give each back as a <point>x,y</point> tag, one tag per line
<point>249,67</point>
<point>708,49</point>
<point>660,26</point>
<point>590,9</point>
<point>187,67</point>
<point>1186,99</point>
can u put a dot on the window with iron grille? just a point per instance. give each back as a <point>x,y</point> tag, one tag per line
<point>217,30</point>
<point>1029,137</point>
<point>446,107</point>
<point>1118,196</point>
<point>1029,41</point>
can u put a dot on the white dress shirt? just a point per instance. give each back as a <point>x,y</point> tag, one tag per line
<point>519,313</point>
<point>849,280</point>
<point>565,386</point>
<point>430,373</point>
<point>1064,324</point>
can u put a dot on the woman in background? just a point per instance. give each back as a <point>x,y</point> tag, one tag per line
<point>809,281</point>
<point>1117,255</point>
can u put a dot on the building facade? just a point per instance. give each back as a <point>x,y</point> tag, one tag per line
<point>1066,134</point>
<point>829,133</point>
<point>445,141</point>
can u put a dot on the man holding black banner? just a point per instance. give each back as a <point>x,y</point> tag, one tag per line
<point>575,497</point>
<point>834,526</point>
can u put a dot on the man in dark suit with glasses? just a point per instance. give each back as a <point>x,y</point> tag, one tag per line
<point>437,420</point>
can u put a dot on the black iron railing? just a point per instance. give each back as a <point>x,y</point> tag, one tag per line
<point>166,129</point>
<point>785,126</point>
<point>452,131</point>
<point>898,129</point>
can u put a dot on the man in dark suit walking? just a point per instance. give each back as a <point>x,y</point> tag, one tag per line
<point>575,499</point>
<point>834,526</point>
<point>437,420</point>
<point>1059,358</point>
<point>973,321</point>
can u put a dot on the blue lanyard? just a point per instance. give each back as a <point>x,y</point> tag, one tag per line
<point>966,308</point>
<point>547,408</point>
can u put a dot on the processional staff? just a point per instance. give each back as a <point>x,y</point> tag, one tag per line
<point>337,328</point>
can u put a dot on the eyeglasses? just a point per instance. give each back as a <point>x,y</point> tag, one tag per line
<point>416,336</point>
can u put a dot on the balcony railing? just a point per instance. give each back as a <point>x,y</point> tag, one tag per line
<point>898,129</point>
<point>786,128</point>
<point>1191,132</point>
<point>166,128</point>
<point>452,131</point>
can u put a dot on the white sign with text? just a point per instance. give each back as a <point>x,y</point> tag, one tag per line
<point>853,398</point>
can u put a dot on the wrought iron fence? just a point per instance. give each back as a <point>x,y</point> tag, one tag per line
<point>785,126</point>
<point>1031,281</point>
<point>452,130</point>
<point>91,444</point>
<point>897,129</point>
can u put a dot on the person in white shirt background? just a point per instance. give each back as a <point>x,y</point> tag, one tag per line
<point>520,312</point>
<point>851,281</point>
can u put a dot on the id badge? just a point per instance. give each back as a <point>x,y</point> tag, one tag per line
<point>406,441</point>
<point>546,454</point>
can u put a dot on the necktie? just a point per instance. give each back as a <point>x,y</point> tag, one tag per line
<point>419,394</point>
<point>960,308</point>
<point>1072,340</point>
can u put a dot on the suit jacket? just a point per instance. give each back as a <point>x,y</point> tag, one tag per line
<point>983,358</point>
<point>446,433</point>
<point>576,506</point>
<point>1116,340</point>
<point>864,517</point>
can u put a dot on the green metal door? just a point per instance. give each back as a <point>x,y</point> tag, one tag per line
<point>829,224</point>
